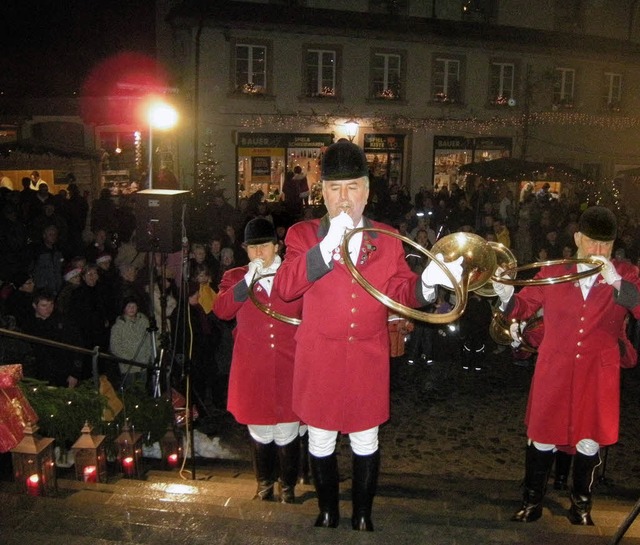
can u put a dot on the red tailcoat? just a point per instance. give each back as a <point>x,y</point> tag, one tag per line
<point>575,390</point>
<point>261,377</point>
<point>341,379</point>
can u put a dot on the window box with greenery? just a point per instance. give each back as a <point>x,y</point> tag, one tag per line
<point>614,106</point>
<point>565,104</point>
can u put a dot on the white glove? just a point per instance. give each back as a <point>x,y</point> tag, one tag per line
<point>608,272</point>
<point>503,291</point>
<point>515,330</point>
<point>337,229</point>
<point>433,273</point>
<point>255,267</point>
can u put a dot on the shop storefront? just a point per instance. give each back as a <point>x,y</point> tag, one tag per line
<point>264,158</point>
<point>490,148</point>
<point>451,152</point>
<point>385,153</point>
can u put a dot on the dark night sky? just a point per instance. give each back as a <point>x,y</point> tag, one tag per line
<point>49,46</point>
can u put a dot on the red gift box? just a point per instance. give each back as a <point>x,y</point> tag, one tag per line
<point>15,410</point>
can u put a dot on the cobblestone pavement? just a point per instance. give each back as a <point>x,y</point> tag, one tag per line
<point>450,421</point>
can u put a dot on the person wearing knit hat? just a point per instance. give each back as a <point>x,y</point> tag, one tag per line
<point>103,258</point>
<point>72,280</point>
<point>261,376</point>
<point>341,384</point>
<point>574,400</point>
<point>72,274</point>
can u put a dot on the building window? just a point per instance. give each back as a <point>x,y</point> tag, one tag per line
<point>447,80</point>
<point>250,68</point>
<point>564,88</point>
<point>612,92</point>
<point>321,73</point>
<point>502,83</point>
<point>386,75</point>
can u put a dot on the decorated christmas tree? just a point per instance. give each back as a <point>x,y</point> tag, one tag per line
<point>208,185</point>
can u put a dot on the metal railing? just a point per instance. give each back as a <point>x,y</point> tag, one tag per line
<point>95,353</point>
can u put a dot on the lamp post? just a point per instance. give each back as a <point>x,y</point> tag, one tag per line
<point>163,116</point>
<point>351,128</point>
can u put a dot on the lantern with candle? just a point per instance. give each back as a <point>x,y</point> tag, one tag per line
<point>129,445</point>
<point>34,466</point>
<point>171,449</point>
<point>90,456</point>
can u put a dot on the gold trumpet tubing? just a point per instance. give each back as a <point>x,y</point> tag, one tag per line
<point>264,308</point>
<point>432,318</point>
<point>503,277</point>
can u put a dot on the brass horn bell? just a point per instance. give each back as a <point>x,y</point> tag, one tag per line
<point>500,333</point>
<point>478,258</point>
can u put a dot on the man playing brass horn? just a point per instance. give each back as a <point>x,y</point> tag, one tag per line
<point>341,377</point>
<point>574,400</point>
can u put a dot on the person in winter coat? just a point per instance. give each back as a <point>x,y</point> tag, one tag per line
<point>261,378</point>
<point>341,379</point>
<point>57,366</point>
<point>574,401</point>
<point>131,339</point>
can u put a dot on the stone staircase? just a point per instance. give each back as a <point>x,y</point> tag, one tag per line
<point>216,508</point>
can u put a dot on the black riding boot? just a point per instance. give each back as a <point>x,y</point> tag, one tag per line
<point>584,471</point>
<point>304,477</point>
<point>326,480</point>
<point>264,458</point>
<point>537,467</point>
<point>288,457</point>
<point>365,480</point>
<point>561,472</point>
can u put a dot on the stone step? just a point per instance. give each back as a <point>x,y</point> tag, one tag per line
<point>217,507</point>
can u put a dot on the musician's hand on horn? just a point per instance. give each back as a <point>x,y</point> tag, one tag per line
<point>254,269</point>
<point>434,275</point>
<point>608,272</point>
<point>515,331</point>
<point>339,225</point>
<point>503,291</point>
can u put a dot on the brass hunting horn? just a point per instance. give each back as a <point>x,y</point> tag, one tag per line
<point>266,309</point>
<point>499,328</point>
<point>478,265</point>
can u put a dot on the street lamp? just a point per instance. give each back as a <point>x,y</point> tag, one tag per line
<point>351,128</point>
<point>163,116</point>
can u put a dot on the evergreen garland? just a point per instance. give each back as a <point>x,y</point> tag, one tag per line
<point>62,412</point>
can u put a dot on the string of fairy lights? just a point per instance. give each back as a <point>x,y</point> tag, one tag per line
<point>301,120</point>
